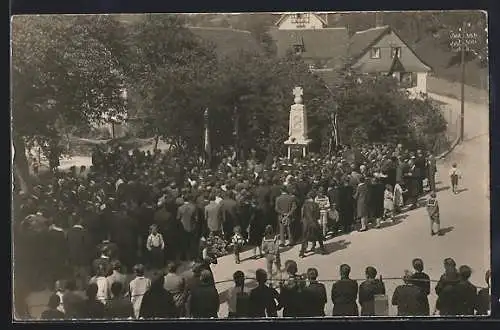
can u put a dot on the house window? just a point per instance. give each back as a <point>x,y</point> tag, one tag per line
<point>299,49</point>
<point>375,53</point>
<point>395,51</point>
<point>300,19</point>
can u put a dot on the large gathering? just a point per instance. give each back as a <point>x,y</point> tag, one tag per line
<point>244,166</point>
<point>141,213</point>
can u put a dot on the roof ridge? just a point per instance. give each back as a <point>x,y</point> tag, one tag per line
<point>218,29</point>
<point>374,28</point>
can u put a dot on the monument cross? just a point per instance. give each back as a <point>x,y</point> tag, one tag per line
<point>298,92</point>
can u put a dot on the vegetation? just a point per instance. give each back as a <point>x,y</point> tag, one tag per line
<point>70,71</point>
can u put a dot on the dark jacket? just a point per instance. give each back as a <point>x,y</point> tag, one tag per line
<point>157,303</point>
<point>93,309</point>
<point>344,295</point>
<point>79,246</point>
<point>263,302</point>
<point>204,301</point>
<point>310,226</point>
<point>367,290</point>
<point>483,301</point>
<point>410,300</point>
<point>315,299</point>
<point>459,298</point>
<point>423,281</point>
<point>120,308</point>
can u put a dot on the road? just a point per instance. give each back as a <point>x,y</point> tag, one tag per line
<point>464,218</point>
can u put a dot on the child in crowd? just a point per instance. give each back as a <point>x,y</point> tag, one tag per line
<point>398,198</point>
<point>270,248</point>
<point>433,211</point>
<point>388,202</point>
<point>137,288</point>
<point>454,176</point>
<point>155,246</point>
<point>237,241</point>
<point>59,287</point>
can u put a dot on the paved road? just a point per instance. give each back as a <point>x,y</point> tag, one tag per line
<point>465,218</point>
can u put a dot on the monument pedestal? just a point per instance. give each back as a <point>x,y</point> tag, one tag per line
<point>301,144</point>
<point>297,131</point>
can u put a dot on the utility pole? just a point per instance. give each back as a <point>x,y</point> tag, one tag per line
<point>461,41</point>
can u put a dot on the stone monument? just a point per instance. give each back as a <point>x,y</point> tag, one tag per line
<point>297,131</point>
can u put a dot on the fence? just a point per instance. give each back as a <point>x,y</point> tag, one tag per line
<point>37,304</point>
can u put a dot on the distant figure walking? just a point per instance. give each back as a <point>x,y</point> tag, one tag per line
<point>454,176</point>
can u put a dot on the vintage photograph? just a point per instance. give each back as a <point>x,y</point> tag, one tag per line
<point>250,165</point>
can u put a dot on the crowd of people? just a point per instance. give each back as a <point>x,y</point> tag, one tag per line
<point>194,295</point>
<point>152,207</point>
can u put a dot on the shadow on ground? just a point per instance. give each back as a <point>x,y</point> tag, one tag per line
<point>334,246</point>
<point>446,230</point>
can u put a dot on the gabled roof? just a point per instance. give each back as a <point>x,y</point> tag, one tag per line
<point>327,43</point>
<point>284,16</point>
<point>396,65</point>
<point>364,40</point>
<point>228,42</point>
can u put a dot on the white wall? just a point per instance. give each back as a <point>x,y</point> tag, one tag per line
<point>422,82</point>
<point>288,24</point>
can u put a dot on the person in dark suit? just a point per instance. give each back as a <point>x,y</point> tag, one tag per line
<point>203,299</point>
<point>450,275</point>
<point>229,212</point>
<point>157,302</point>
<point>79,247</point>
<point>412,179</point>
<point>423,281</point>
<point>187,215</point>
<point>344,294</point>
<point>124,233</point>
<point>345,206</point>
<point>431,172</point>
<point>311,230</point>
<point>367,291</point>
<point>263,300</point>
<point>361,198</point>
<point>409,298</point>
<point>484,297</point>
<point>56,252</point>
<point>285,206</point>
<point>315,294</point>
<point>458,297</point>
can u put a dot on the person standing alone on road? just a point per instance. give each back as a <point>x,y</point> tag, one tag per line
<point>454,174</point>
<point>271,251</point>
<point>433,211</point>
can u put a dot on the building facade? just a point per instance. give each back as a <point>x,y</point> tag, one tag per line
<point>378,50</point>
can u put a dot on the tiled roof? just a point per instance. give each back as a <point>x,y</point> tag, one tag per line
<point>328,43</point>
<point>228,42</point>
<point>361,41</point>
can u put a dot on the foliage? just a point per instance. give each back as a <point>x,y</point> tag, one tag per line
<point>375,109</point>
<point>172,74</point>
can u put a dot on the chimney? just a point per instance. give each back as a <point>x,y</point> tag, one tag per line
<point>379,19</point>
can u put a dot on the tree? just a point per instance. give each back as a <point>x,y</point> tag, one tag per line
<point>65,69</point>
<point>172,72</point>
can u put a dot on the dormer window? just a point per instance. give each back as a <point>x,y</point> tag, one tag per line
<point>375,52</point>
<point>395,51</point>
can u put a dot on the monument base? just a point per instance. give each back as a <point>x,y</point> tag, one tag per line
<point>301,144</point>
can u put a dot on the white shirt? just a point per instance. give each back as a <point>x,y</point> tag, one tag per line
<point>454,171</point>
<point>102,289</point>
<point>155,241</point>
<point>137,288</point>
